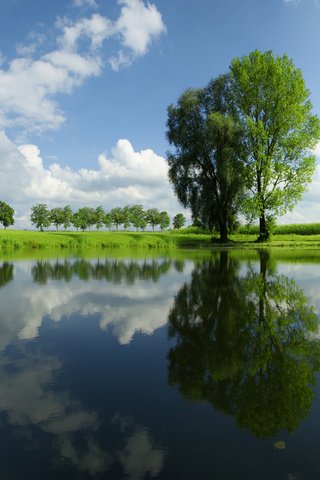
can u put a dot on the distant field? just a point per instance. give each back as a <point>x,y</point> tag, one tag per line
<point>292,229</point>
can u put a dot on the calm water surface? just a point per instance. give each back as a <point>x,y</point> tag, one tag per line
<point>160,368</point>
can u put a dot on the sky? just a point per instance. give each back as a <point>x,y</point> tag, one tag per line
<point>85,86</point>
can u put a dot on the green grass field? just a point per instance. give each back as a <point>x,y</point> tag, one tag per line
<point>31,240</point>
<point>302,236</point>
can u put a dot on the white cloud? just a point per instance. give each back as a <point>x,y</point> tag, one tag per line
<point>122,177</point>
<point>96,29</point>
<point>27,88</point>
<point>138,25</point>
<point>84,3</point>
<point>28,85</point>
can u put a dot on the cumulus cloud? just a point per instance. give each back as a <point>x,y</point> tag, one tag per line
<point>29,85</point>
<point>122,177</point>
<point>137,26</point>
<point>27,88</point>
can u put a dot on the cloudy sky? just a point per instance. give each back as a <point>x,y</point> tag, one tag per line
<point>85,84</point>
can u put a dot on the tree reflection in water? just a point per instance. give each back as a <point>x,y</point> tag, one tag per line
<point>246,344</point>
<point>114,271</point>
<point>6,273</point>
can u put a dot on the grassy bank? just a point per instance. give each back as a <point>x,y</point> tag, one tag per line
<point>20,240</point>
<point>32,240</point>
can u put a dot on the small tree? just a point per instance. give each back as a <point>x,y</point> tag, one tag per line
<point>76,220</point>
<point>138,217</point>
<point>153,217</point>
<point>117,216</point>
<point>40,216</point>
<point>6,214</point>
<point>56,217</point>
<point>164,220</point>
<point>179,221</point>
<point>126,221</point>
<point>107,221</point>
<point>99,217</point>
<point>86,217</point>
<point>67,216</point>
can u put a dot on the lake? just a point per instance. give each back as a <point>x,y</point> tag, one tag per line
<point>200,366</point>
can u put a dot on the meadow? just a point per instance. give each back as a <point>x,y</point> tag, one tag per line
<point>291,236</point>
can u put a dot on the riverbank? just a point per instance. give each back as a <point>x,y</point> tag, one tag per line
<point>35,240</point>
<point>15,240</point>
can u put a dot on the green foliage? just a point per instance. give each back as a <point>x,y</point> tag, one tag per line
<point>194,230</point>
<point>153,217</point>
<point>206,167</point>
<point>275,111</point>
<point>40,216</point>
<point>138,217</point>
<point>126,222</point>
<point>107,220</point>
<point>164,220</point>
<point>6,214</point>
<point>99,217</point>
<point>67,216</point>
<point>179,221</point>
<point>117,216</point>
<point>56,216</point>
<point>85,218</point>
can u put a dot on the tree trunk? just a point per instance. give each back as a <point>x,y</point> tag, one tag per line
<point>223,229</point>
<point>263,230</point>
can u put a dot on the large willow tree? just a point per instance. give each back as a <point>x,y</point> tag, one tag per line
<point>206,167</point>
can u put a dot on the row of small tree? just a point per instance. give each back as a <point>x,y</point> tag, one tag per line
<point>130,216</point>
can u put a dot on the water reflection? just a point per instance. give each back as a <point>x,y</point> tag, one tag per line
<point>115,271</point>
<point>6,273</point>
<point>43,414</point>
<point>246,343</point>
<point>59,290</point>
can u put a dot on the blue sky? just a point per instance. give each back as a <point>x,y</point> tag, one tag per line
<point>85,84</point>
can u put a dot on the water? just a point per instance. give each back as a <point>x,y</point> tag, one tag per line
<point>189,368</point>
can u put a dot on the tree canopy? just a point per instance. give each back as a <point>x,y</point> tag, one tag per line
<point>40,216</point>
<point>206,167</point>
<point>275,111</point>
<point>6,214</point>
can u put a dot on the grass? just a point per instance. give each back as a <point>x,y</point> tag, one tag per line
<point>32,240</point>
<point>297,236</point>
<point>303,229</point>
